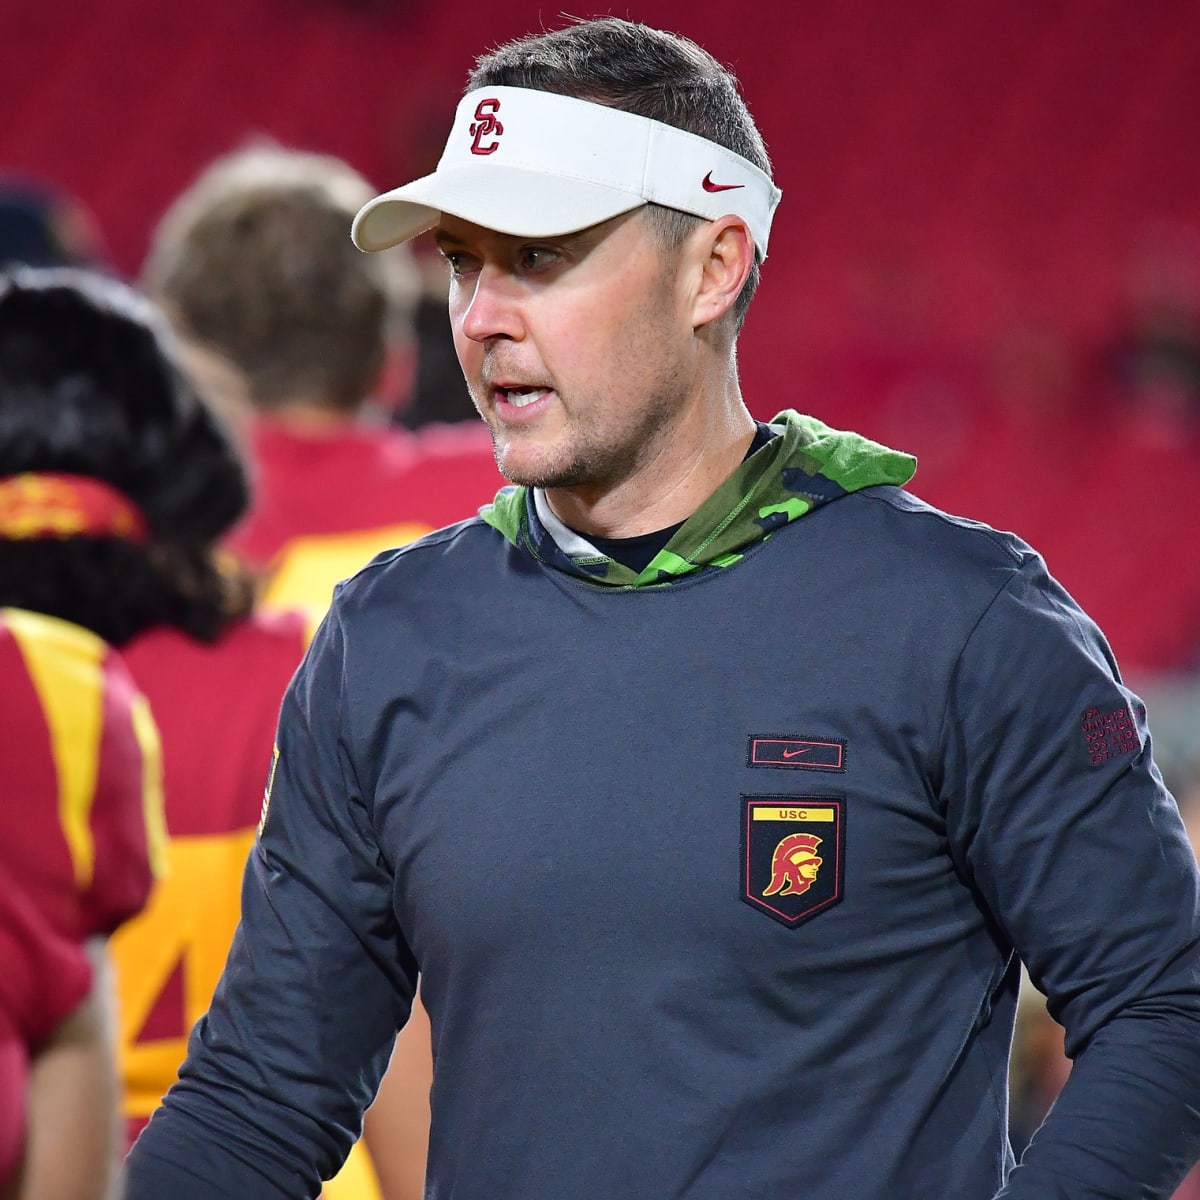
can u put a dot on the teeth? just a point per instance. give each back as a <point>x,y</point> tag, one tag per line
<point>520,398</point>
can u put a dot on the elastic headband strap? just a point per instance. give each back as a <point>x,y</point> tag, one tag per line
<point>42,505</point>
<point>535,163</point>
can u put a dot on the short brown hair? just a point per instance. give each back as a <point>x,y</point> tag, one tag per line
<point>642,70</point>
<point>255,261</point>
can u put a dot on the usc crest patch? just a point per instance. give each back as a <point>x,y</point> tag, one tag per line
<point>792,855</point>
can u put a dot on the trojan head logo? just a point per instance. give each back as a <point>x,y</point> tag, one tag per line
<point>484,126</point>
<point>792,855</point>
<point>794,865</point>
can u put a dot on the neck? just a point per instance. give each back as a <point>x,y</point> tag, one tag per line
<point>688,461</point>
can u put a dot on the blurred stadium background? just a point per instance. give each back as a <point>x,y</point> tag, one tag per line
<point>986,206</point>
<point>988,251</point>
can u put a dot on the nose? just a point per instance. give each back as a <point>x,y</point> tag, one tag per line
<point>492,307</point>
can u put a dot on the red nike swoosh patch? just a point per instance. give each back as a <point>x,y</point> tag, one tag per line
<point>797,752</point>
<point>707,184</point>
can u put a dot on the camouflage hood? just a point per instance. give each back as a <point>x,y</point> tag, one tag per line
<point>807,465</point>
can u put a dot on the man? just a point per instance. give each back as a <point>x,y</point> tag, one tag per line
<point>253,264</point>
<point>75,862</point>
<point>116,482</point>
<point>545,757</point>
<point>81,819</point>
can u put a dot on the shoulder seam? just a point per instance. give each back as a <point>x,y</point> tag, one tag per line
<point>1014,575</point>
<point>966,524</point>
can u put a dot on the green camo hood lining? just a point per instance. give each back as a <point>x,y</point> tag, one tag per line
<point>807,465</point>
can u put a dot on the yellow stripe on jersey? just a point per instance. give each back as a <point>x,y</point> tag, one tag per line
<point>65,663</point>
<point>153,800</point>
<point>305,570</point>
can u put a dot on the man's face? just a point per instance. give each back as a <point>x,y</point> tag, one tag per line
<point>577,349</point>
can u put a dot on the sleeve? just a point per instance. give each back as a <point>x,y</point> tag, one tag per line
<point>81,752</point>
<point>317,983</point>
<point>46,975</point>
<point>1060,820</point>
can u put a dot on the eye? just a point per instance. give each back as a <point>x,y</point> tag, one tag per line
<point>458,262</point>
<point>536,258</point>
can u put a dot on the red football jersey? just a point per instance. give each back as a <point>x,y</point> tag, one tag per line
<point>348,478</point>
<point>327,501</point>
<point>216,707</point>
<point>80,829</point>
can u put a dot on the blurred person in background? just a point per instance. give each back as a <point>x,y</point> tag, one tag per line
<point>81,820</point>
<point>439,393</point>
<point>253,261</point>
<point>1139,491</point>
<point>215,687</point>
<point>44,225</point>
<point>1149,368</point>
<point>98,411</point>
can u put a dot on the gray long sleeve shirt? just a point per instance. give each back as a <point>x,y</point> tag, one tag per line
<point>718,889</point>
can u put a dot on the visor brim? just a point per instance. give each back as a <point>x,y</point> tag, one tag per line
<point>507,199</point>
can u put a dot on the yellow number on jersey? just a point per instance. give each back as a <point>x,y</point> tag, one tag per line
<point>187,926</point>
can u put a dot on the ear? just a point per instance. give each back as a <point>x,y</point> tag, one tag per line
<point>726,256</point>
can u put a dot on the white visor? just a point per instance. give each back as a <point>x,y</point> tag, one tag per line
<point>536,164</point>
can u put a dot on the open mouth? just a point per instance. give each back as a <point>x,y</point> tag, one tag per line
<point>524,402</point>
<point>523,397</point>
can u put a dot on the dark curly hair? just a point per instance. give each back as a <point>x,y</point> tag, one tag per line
<point>90,384</point>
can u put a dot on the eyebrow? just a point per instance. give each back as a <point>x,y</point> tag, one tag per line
<point>581,241</point>
<point>446,241</point>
